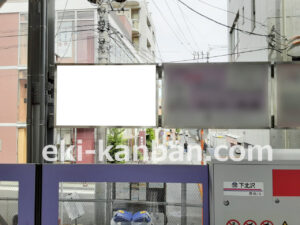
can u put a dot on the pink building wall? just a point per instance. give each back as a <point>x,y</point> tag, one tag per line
<point>8,96</point>
<point>9,26</point>
<point>8,137</point>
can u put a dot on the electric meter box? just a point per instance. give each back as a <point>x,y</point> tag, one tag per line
<point>256,193</point>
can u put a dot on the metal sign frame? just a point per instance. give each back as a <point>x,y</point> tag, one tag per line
<point>196,126</point>
<point>111,64</point>
<point>54,174</point>
<point>25,175</point>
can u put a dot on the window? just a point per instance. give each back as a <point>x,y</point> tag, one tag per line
<point>75,39</point>
<point>65,36</point>
<point>148,23</point>
<point>253,15</point>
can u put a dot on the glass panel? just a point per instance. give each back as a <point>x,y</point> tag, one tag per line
<point>86,42</point>
<point>24,17</point>
<point>9,192</point>
<point>138,203</point>
<point>65,42</point>
<point>65,15</point>
<point>85,14</point>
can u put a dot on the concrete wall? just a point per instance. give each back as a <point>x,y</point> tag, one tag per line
<point>146,32</point>
<point>250,42</point>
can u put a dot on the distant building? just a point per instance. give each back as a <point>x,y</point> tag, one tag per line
<point>143,30</point>
<point>264,18</point>
<point>76,42</point>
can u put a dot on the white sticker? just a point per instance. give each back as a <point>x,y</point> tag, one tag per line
<point>237,188</point>
<point>74,209</point>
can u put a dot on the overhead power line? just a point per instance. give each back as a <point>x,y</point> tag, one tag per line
<point>164,18</point>
<point>223,55</point>
<point>178,25</point>
<point>249,19</point>
<point>221,24</point>
<point>187,26</point>
<point>63,17</point>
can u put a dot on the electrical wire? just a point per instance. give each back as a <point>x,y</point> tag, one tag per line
<point>158,49</point>
<point>187,25</point>
<point>257,22</point>
<point>183,60</point>
<point>147,57</point>
<point>63,17</point>
<point>177,24</point>
<point>162,15</point>
<point>219,23</point>
<point>223,55</point>
<point>144,53</point>
<point>120,44</point>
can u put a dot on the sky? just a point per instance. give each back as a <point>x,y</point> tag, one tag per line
<point>181,40</point>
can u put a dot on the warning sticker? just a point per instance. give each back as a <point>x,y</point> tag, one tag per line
<point>233,222</point>
<point>250,222</point>
<point>267,222</point>
<point>251,189</point>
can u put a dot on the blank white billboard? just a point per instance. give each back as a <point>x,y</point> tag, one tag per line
<point>108,95</point>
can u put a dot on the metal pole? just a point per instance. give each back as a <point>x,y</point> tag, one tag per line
<point>183,204</point>
<point>283,9</point>
<point>37,65</point>
<point>51,71</point>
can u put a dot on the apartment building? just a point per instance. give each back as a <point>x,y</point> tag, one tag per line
<point>143,30</point>
<point>269,21</point>
<point>75,42</point>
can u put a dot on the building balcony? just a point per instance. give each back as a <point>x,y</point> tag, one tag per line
<point>128,4</point>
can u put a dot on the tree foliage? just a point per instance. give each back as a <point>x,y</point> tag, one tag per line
<point>150,136</point>
<point>115,138</point>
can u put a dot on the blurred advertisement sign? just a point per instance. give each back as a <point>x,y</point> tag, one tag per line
<point>220,95</point>
<point>287,77</point>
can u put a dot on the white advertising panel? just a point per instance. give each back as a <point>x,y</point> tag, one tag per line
<point>108,95</point>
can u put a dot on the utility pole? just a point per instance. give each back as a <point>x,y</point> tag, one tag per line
<point>103,30</point>
<point>103,190</point>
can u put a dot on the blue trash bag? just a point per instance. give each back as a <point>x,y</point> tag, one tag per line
<point>122,216</point>
<point>141,216</point>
